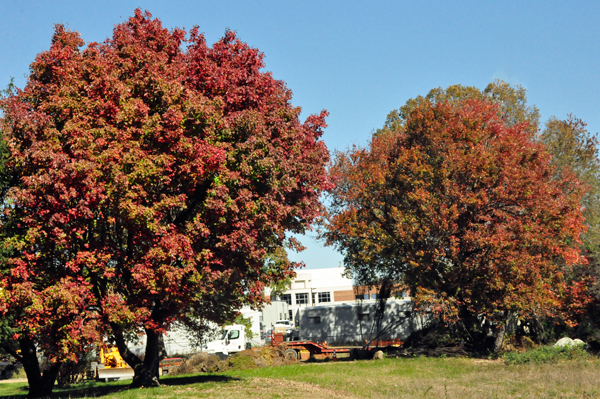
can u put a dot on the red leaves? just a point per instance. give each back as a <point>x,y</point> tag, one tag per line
<point>158,177</point>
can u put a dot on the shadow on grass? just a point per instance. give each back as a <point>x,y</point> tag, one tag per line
<point>195,379</point>
<point>86,390</point>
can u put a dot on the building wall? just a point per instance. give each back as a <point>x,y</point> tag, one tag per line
<point>319,286</point>
<point>344,295</point>
<point>323,287</point>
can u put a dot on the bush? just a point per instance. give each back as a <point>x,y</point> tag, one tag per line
<point>547,354</point>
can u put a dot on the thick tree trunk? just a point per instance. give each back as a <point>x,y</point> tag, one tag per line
<point>40,384</point>
<point>148,374</point>
<point>162,350</point>
<point>145,372</point>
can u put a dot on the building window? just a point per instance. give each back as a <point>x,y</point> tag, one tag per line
<point>362,297</point>
<point>302,299</point>
<point>287,298</point>
<point>373,296</point>
<point>290,314</point>
<point>313,298</point>
<point>324,297</point>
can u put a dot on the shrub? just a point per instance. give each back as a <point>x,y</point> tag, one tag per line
<point>547,354</point>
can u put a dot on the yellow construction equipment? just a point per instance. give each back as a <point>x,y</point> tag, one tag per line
<point>112,367</point>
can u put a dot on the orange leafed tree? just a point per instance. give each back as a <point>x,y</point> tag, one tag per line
<point>460,207</point>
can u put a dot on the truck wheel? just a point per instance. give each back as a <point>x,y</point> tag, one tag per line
<point>290,354</point>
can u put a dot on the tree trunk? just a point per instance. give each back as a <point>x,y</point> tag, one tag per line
<point>500,330</point>
<point>145,372</point>
<point>40,384</point>
<point>148,373</point>
<point>162,350</point>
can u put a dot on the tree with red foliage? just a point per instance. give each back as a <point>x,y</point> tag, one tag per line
<point>464,209</point>
<point>159,177</point>
<point>43,310</point>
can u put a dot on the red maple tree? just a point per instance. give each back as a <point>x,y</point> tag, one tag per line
<point>158,173</point>
<point>462,208</point>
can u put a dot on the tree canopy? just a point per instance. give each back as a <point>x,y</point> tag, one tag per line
<point>155,176</point>
<point>511,100</point>
<point>463,206</point>
<point>575,150</point>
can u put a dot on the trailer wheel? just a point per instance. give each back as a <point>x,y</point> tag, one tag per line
<point>291,354</point>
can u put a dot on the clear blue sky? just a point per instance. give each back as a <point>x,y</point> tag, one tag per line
<point>361,59</point>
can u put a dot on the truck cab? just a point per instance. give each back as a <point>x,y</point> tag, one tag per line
<point>287,328</point>
<point>233,340</point>
<point>284,323</point>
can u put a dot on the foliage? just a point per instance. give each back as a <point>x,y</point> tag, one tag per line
<point>512,102</point>
<point>155,175</point>
<point>575,150</point>
<point>462,204</point>
<point>547,354</point>
<point>198,332</point>
<point>244,321</point>
<point>274,260</point>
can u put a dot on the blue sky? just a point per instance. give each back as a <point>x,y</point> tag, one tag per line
<point>358,59</point>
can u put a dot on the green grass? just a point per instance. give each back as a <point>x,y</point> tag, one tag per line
<point>389,378</point>
<point>547,354</point>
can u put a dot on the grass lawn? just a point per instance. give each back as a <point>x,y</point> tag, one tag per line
<point>389,378</point>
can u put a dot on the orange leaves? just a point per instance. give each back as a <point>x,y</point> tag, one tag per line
<point>466,204</point>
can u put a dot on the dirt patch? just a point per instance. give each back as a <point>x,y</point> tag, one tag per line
<point>265,388</point>
<point>488,362</point>
<point>295,389</point>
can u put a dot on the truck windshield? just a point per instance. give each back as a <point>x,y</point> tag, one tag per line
<point>233,334</point>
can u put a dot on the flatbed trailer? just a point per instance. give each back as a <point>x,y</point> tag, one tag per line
<point>315,348</point>
<point>295,349</point>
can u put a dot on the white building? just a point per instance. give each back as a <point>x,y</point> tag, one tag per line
<point>325,287</point>
<point>318,286</point>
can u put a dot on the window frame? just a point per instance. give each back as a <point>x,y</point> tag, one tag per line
<point>303,295</point>
<point>286,298</point>
<point>324,294</point>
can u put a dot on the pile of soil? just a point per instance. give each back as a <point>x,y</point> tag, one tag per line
<point>248,359</point>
